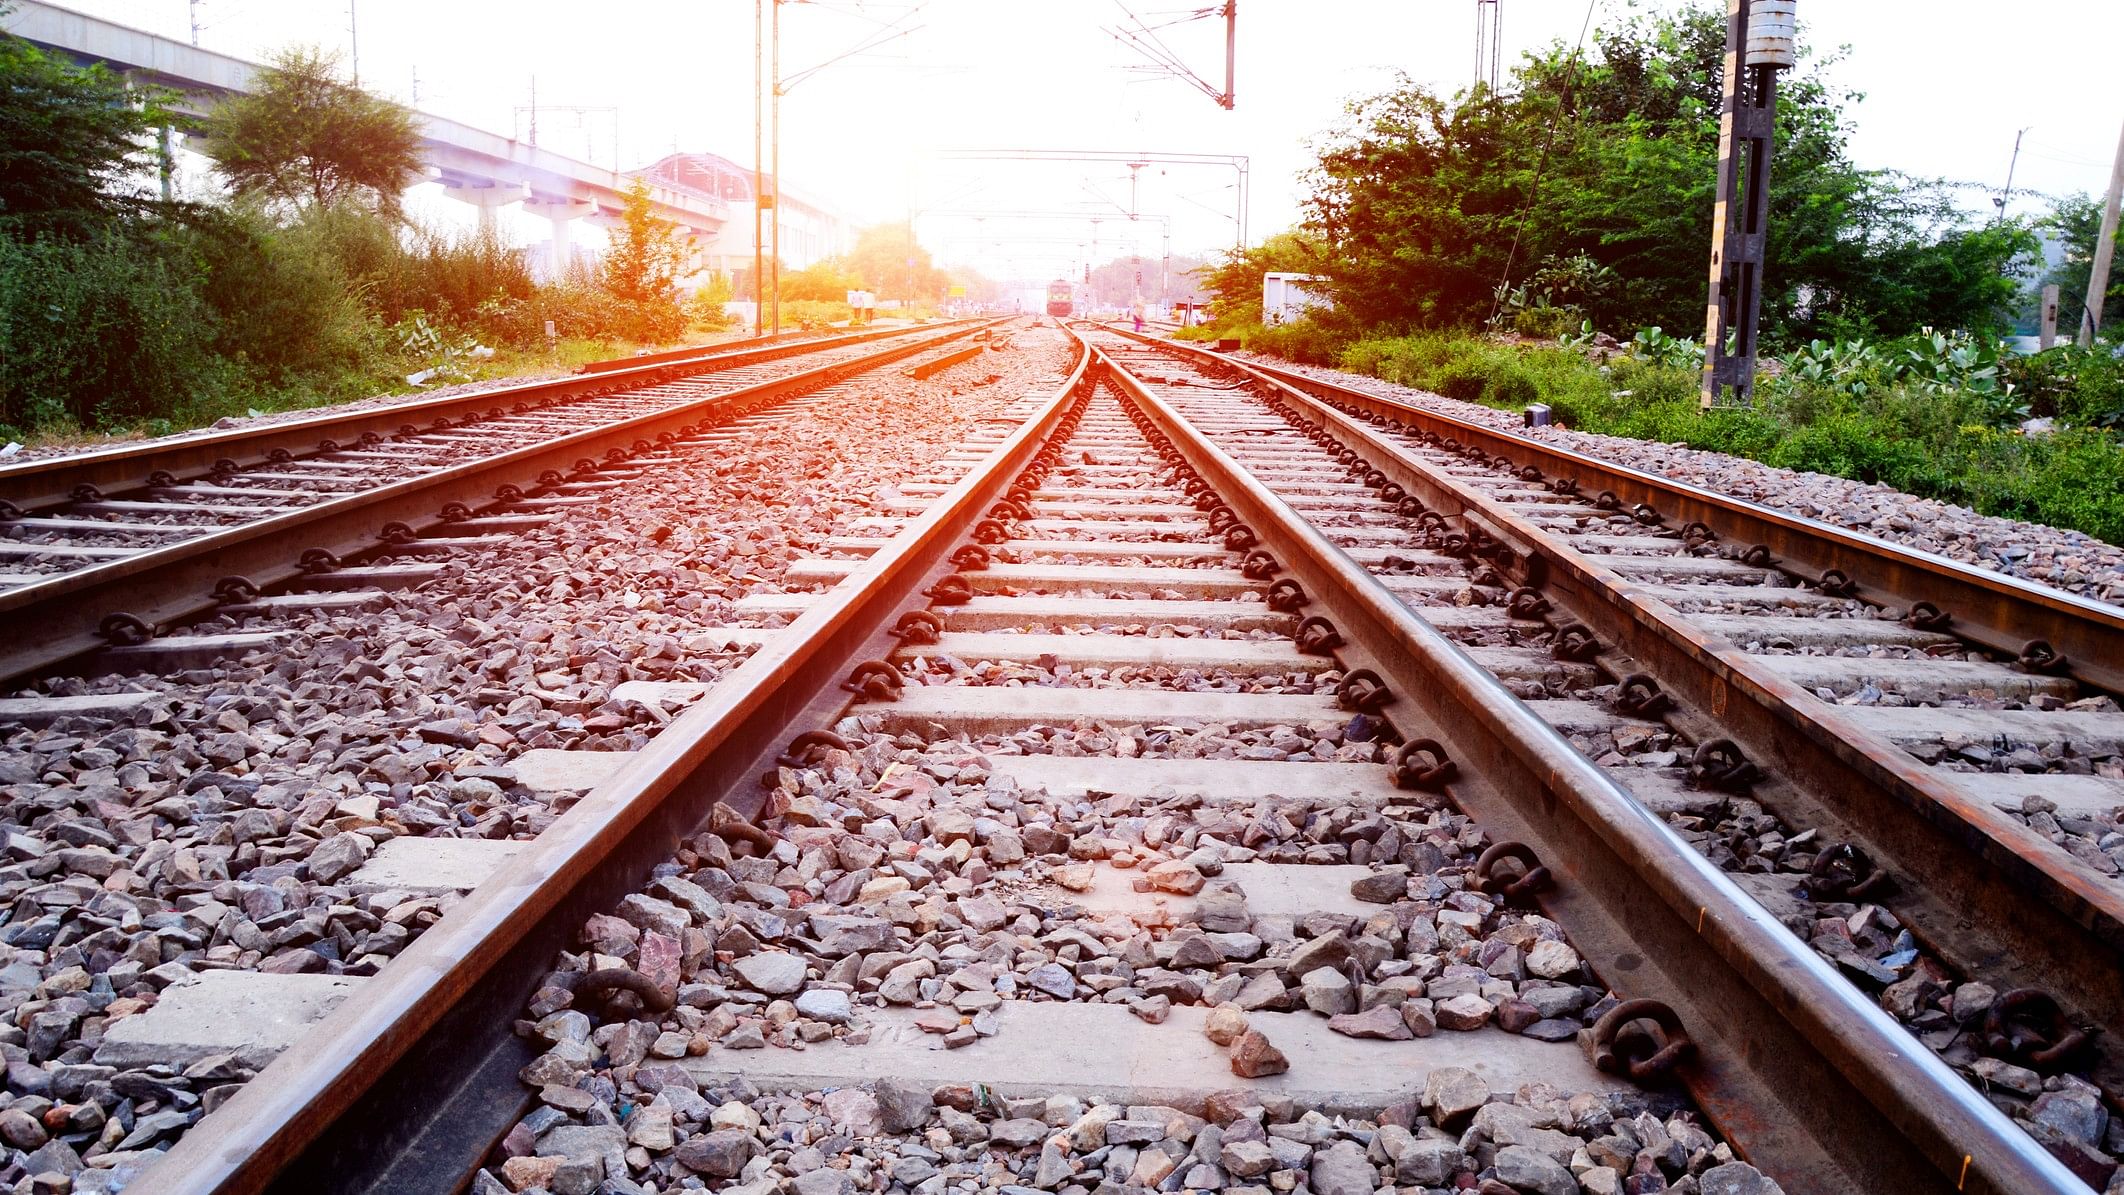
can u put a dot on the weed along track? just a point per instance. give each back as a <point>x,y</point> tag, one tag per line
<point>1083,766</point>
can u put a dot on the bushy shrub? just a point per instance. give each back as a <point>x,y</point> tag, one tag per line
<point>1546,323</point>
<point>1924,414</point>
<point>705,313</point>
<point>2079,387</point>
<point>1303,340</point>
<point>284,314</point>
<point>814,313</point>
<point>99,330</point>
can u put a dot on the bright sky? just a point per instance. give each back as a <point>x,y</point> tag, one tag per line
<point>1949,82</point>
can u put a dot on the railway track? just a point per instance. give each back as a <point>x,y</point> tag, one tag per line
<point>1153,701</point>
<point>104,548</point>
<point>1954,765</point>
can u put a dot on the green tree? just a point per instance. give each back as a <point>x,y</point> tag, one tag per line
<point>641,267</point>
<point>1235,279</point>
<point>893,265</point>
<point>1605,167</point>
<point>643,261</point>
<point>826,281</point>
<point>304,138</point>
<point>70,137</point>
<point>2076,221</point>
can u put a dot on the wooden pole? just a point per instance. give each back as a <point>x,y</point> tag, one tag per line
<point>2105,250</point>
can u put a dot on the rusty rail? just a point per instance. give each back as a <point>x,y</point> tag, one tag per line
<point>113,471</point>
<point>1997,612</point>
<point>55,620</point>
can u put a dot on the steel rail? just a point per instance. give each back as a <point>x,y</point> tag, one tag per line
<point>52,621</point>
<point>1997,898</point>
<point>1998,612</point>
<point>405,1088</point>
<point>51,481</point>
<point>1812,1081</point>
<point>1994,898</point>
<point>688,352</point>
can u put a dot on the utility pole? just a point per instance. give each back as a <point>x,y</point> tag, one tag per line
<point>1759,43</point>
<point>1135,169</point>
<point>759,308</point>
<point>774,222</point>
<point>194,6</point>
<point>1489,25</point>
<point>2011,163</point>
<point>354,41</point>
<point>1231,55</point>
<point>2105,250</point>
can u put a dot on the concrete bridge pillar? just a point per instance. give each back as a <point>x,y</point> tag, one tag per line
<point>559,211</point>
<point>487,197</point>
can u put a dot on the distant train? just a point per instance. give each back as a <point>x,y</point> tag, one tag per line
<point>1060,298</point>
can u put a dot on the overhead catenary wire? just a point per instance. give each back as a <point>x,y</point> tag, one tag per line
<point>1540,167</point>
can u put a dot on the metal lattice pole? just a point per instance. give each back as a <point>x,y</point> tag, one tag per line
<point>1759,43</point>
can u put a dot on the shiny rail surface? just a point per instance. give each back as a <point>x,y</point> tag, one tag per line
<point>1805,1073</point>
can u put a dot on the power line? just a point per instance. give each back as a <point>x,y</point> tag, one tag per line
<point>1534,191</point>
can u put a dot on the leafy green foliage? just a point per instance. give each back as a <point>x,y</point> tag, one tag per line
<point>644,259</point>
<point>2076,222</point>
<point>1656,346</point>
<point>301,137</point>
<point>70,137</point>
<point>2078,387</point>
<point>96,330</point>
<point>825,281</point>
<point>118,312</point>
<point>1235,277</point>
<point>641,267</point>
<point>1600,177</point>
<point>441,356</point>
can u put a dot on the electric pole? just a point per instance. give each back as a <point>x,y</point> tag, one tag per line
<point>1759,43</point>
<point>2105,251</point>
<point>774,222</point>
<point>759,309</point>
<point>2011,163</point>
<point>1489,36</point>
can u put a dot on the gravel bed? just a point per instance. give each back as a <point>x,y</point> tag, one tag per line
<point>1871,949</point>
<point>216,828</point>
<point>301,483</point>
<point>2067,560</point>
<point>909,875</point>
